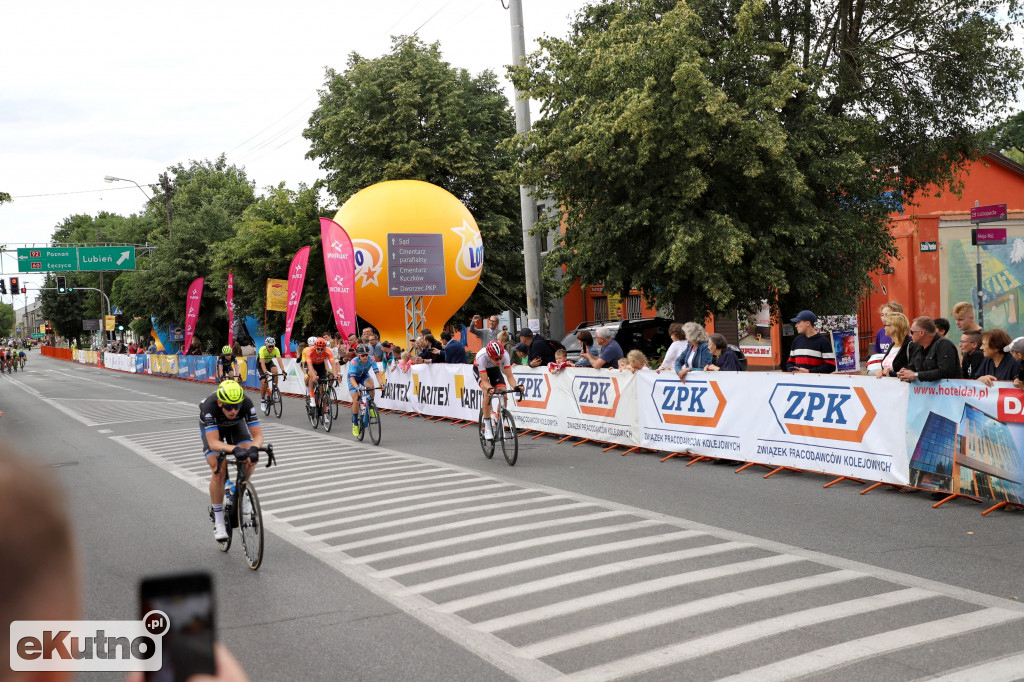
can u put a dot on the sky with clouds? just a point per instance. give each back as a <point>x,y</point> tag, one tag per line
<point>128,88</point>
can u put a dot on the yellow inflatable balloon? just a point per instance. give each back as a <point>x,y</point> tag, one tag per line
<point>411,238</point>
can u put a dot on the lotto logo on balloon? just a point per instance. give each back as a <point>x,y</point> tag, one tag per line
<point>450,264</point>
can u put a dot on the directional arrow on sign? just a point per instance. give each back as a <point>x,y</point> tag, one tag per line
<point>125,255</point>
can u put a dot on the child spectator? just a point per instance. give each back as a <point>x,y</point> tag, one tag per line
<point>561,361</point>
<point>624,365</point>
<point>406,362</point>
<point>521,351</point>
<point>636,361</point>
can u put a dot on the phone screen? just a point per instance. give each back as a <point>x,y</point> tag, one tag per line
<point>187,599</point>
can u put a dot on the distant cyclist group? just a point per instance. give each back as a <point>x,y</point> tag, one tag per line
<point>12,355</point>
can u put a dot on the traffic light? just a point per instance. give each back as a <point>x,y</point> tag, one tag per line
<point>3,287</point>
<point>62,284</point>
<point>24,290</point>
<point>14,284</point>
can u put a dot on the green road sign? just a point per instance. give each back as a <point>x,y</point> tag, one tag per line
<point>106,258</point>
<point>71,259</point>
<point>37,335</point>
<point>47,258</point>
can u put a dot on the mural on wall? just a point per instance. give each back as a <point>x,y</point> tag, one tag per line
<point>1002,271</point>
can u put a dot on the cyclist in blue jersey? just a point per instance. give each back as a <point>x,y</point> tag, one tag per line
<point>359,375</point>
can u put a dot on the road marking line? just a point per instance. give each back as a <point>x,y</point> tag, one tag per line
<point>573,577</point>
<point>427,486</point>
<point>488,535</point>
<point>426,505</point>
<point>505,504</point>
<point>105,431</point>
<point>854,650</point>
<point>559,557</point>
<point>514,547</point>
<point>456,525</point>
<point>402,475</point>
<point>1006,669</point>
<point>357,474</point>
<point>745,634</point>
<point>672,614</point>
<point>367,486</point>
<point>391,501</point>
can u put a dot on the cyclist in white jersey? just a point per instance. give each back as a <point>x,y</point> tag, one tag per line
<point>490,363</point>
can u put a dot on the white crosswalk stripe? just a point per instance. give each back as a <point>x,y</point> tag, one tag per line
<point>548,584</point>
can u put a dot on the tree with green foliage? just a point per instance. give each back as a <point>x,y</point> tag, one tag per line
<point>266,237</point>
<point>1008,137</point>
<point>6,319</point>
<point>208,199</point>
<point>714,153</point>
<point>409,115</point>
<point>64,312</point>
<point>4,197</point>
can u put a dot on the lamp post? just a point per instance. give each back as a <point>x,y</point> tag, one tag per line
<point>111,178</point>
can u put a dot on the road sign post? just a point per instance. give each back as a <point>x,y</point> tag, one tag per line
<point>983,237</point>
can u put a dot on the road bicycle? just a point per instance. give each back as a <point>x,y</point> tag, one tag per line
<point>320,410</point>
<point>245,515</point>
<point>503,427</point>
<point>273,401</point>
<point>21,360</point>
<point>368,417</point>
<point>334,402</point>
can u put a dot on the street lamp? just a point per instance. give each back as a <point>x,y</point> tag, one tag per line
<point>111,178</point>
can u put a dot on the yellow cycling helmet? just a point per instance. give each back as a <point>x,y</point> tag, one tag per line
<point>230,393</point>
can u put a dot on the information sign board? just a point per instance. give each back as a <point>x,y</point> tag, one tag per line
<point>416,265</point>
<point>48,258</point>
<point>987,214</point>
<point>106,258</point>
<point>76,259</point>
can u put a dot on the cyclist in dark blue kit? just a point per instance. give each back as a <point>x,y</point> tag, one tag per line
<point>359,375</point>
<point>228,422</point>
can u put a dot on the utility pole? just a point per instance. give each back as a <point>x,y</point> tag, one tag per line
<point>531,243</point>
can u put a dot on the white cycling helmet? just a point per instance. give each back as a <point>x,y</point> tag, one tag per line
<point>310,341</point>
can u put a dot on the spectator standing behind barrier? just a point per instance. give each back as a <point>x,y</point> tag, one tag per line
<point>678,345</point>
<point>519,353</point>
<point>970,349</point>
<point>454,351</point>
<point>882,339</point>
<point>963,315</point>
<point>1016,349</point>
<point>586,340</point>
<point>695,356</point>
<point>723,357</point>
<point>540,352</point>
<point>942,326</point>
<point>561,361</point>
<point>812,350</point>
<point>611,351</point>
<point>488,333</point>
<point>932,357</point>
<point>999,364</point>
<point>897,327</point>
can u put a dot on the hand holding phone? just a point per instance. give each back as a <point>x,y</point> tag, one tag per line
<point>187,600</point>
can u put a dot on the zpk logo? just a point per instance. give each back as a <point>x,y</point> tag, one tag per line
<point>598,396</point>
<point>832,412</point>
<point>536,390</point>
<point>695,403</point>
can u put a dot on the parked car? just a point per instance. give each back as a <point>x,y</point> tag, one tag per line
<point>648,334</point>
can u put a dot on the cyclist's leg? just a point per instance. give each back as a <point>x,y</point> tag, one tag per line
<point>216,479</point>
<point>263,383</point>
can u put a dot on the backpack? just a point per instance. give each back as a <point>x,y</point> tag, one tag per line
<point>555,345</point>
<point>740,357</point>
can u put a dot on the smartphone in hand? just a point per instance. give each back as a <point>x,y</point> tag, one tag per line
<point>187,600</point>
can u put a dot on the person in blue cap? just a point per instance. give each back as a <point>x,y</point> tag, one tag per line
<point>812,350</point>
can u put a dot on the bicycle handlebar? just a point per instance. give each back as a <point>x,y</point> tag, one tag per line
<point>222,455</point>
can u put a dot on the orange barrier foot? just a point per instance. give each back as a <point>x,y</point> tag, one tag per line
<point>752,464</point>
<point>677,454</point>
<point>585,440</point>
<point>698,458</point>
<point>564,438</point>
<point>998,505</point>
<point>611,447</point>
<point>777,470</point>
<point>843,478</point>
<point>952,496</point>
<point>632,449</point>
<point>539,434</point>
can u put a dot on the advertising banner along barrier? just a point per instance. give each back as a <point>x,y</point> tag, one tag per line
<point>340,265</point>
<point>966,438</point>
<point>296,278</point>
<point>195,293</point>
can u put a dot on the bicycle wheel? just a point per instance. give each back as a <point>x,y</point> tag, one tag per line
<point>374,426</point>
<point>312,411</point>
<point>278,405</point>
<point>250,525</point>
<point>334,403</point>
<point>486,445</point>
<point>359,420</point>
<point>324,406</point>
<point>509,438</point>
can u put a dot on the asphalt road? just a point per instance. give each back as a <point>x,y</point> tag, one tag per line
<point>420,559</point>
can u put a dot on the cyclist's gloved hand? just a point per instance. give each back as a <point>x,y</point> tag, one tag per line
<point>254,454</point>
<point>520,389</point>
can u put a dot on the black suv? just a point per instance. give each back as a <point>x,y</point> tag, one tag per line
<point>648,334</point>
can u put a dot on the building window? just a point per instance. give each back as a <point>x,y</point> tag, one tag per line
<point>601,308</point>
<point>634,308</point>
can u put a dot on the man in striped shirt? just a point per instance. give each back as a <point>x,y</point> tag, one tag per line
<point>811,351</point>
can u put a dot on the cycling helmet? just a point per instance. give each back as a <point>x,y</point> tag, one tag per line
<point>362,349</point>
<point>270,342</point>
<point>311,341</point>
<point>226,350</point>
<point>320,343</point>
<point>230,393</point>
<point>494,350</point>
